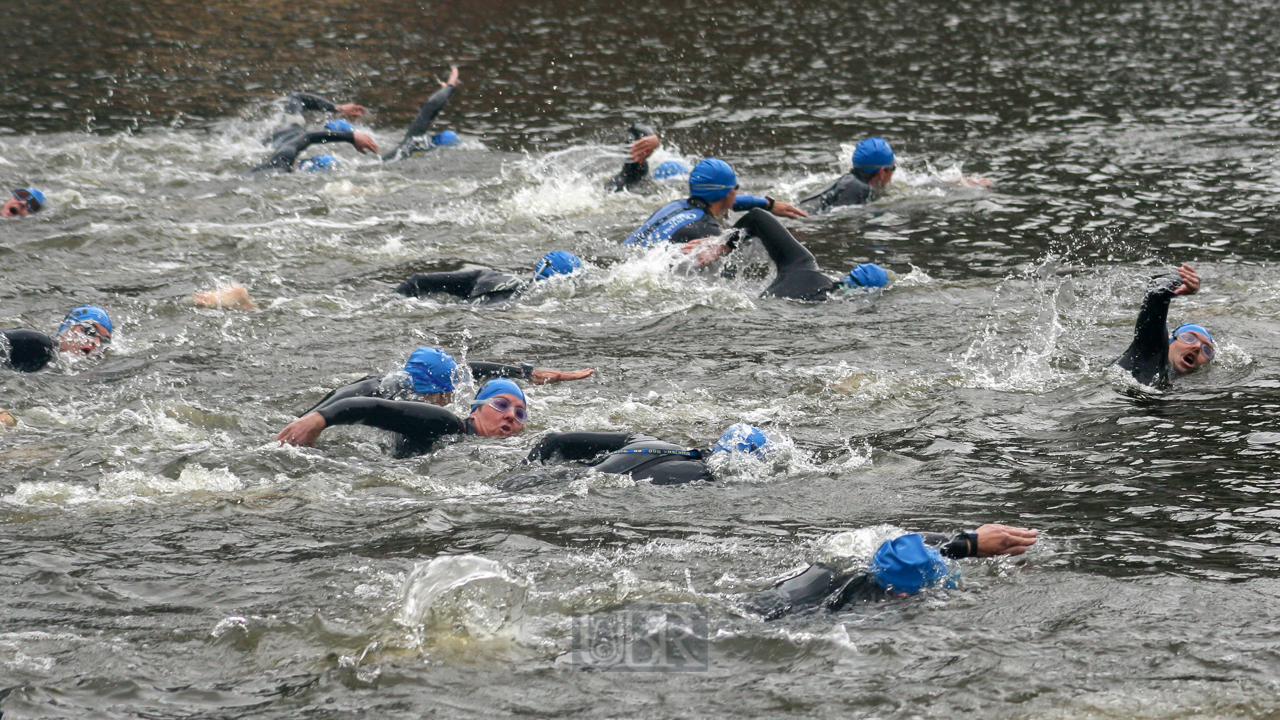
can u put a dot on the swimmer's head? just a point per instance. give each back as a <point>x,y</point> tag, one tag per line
<point>712,180</point>
<point>867,275</point>
<point>23,202</point>
<point>448,137</point>
<point>84,330</point>
<point>1190,347</point>
<point>318,163</point>
<point>339,126</point>
<point>431,372</point>
<point>743,438</point>
<point>906,565</point>
<point>671,170</point>
<point>874,162</point>
<point>556,262</point>
<point>499,409</point>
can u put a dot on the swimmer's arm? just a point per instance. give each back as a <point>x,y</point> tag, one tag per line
<point>636,171</point>
<point>459,283</point>
<point>576,446</point>
<point>27,350</point>
<point>367,387</point>
<point>426,116</point>
<point>284,157</point>
<point>416,420</point>
<point>987,541</point>
<point>1147,355</point>
<point>483,371</point>
<point>297,102</point>
<point>783,248</point>
<point>742,203</point>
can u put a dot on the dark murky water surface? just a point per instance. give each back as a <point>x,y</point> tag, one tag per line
<point>163,558</point>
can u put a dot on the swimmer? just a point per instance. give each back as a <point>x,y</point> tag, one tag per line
<point>634,176</point>
<point>1156,357</point>
<point>902,566</point>
<point>873,166</point>
<point>644,457</point>
<point>23,202</point>
<point>84,331</point>
<point>798,276</point>
<point>499,410</point>
<point>428,376</point>
<point>294,140</point>
<point>713,191</point>
<point>298,103</point>
<point>872,171</point>
<point>486,285</point>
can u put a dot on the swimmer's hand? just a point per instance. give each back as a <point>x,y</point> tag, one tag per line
<point>453,78</point>
<point>364,143</point>
<point>644,147</point>
<point>707,250</point>
<point>787,210</point>
<point>996,539</point>
<point>350,111</point>
<point>7,419</point>
<point>1190,281</point>
<point>973,181</point>
<point>235,297</point>
<point>542,376</point>
<point>303,431</point>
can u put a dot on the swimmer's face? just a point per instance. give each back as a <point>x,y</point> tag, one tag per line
<point>490,422</point>
<point>13,207</point>
<point>883,177</point>
<point>84,338</point>
<point>1184,356</point>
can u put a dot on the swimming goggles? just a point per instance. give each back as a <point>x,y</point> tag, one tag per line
<point>33,203</point>
<point>502,405</point>
<point>1190,338</point>
<point>91,329</point>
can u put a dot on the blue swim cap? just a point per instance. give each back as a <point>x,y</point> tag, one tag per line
<point>35,195</point>
<point>712,179</point>
<point>431,370</point>
<point>670,169</point>
<point>339,126</point>
<point>83,313</point>
<point>318,162</point>
<point>866,275</point>
<point>905,565</point>
<point>501,386</point>
<point>1185,327</point>
<point>872,154</point>
<point>448,137</point>
<point>744,438</point>
<point>556,262</point>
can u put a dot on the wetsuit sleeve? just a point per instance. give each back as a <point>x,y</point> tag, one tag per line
<point>418,421</point>
<point>484,371</point>
<point>286,154</point>
<point>632,173</point>
<point>458,282</point>
<point>847,190</point>
<point>742,203</point>
<point>962,545</point>
<point>1147,357</point>
<point>297,102</point>
<point>422,123</point>
<point>577,446</point>
<point>784,250</point>
<point>367,387</point>
<point>26,350</point>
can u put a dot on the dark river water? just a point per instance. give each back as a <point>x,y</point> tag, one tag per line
<point>163,558</point>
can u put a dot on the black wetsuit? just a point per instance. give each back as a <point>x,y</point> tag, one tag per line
<point>799,277</point>
<point>414,137</point>
<point>295,104</point>
<point>1147,357</point>
<point>850,189</point>
<point>418,425</point>
<point>641,456</point>
<point>634,176</point>
<point>26,350</point>
<point>287,153</point>
<point>822,586</point>
<point>481,284</point>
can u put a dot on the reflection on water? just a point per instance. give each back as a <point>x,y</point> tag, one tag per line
<point>164,557</point>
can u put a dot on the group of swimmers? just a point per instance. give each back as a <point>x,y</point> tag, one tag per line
<point>411,401</point>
